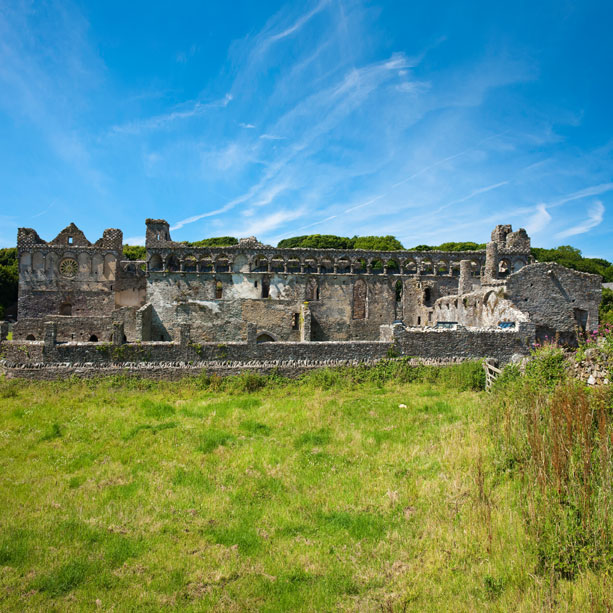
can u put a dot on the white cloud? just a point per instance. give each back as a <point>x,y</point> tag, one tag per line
<point>594,218</point>
<point>160,121</point>
<point>135,240</point>
<point>594,190</point>
<point>539,220</point>
<point>272,137</point>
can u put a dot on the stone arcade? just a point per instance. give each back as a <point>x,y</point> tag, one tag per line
<point>286,305</point>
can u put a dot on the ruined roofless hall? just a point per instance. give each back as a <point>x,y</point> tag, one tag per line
<point>225,294</point>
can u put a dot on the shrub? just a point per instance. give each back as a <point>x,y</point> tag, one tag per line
<point>555,437</point>
<point>547,366</point>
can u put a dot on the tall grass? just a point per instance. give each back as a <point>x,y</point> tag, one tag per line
<point>464,376</point>
<point>556,438</point>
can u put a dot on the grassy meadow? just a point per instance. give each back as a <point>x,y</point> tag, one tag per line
<point>353,492</point>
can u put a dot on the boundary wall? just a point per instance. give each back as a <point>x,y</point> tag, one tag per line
<point>49,359</point>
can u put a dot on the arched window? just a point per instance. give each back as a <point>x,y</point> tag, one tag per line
<point>310,265</point>
<point>66,309</point>
<point>260,264</point>
<point>504,268</point>
<point>360,294</point>
<point>326,265</point>
<point>190,263</point>
<point>265,338</point>
<point>155,263</point>
<point>359,266</point>
<point>392,267</point>
<point>376,266</point>
<point>172,263</point>
<point>293,265</point>
<point>30,337</point>
<point>110,262</point>
<point>428,296</point>
<point>218,290</point>
<point>222,264</point>
<point>206,264</point>
<point>265,287</point>
<point>93,338</point>
<point>343,265</point>
<point>277,264</point>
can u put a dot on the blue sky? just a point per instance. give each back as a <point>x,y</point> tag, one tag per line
<point>432,121</point>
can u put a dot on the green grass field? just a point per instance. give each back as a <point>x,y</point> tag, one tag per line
<point>145,496</point>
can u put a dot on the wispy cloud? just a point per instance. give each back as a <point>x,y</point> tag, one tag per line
<point>594,190</point>
<point>594,218</point>
<point>194,109</point>
<point>539,220</point>
<point>297,25</point>
<point>272,137</point>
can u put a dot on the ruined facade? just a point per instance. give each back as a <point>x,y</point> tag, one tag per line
<point>252,294</point>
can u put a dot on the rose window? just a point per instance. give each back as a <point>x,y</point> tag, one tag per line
<point>69,268</point>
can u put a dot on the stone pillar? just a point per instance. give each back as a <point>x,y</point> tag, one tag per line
<point>252,334</point>
<point>490,272</point>
<point>465,284</point>
<point>118,333</point>
<point>143,323</point>
<point>305,323</point>
<point>50,338</point>
<point>184,335</point>
<point>4,330</point>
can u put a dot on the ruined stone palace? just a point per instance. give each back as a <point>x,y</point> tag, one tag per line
<point>258,301</point>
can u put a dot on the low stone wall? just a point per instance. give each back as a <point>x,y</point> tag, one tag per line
<point>170,359</point>
<point>464,343</point>
<point>172,371</point>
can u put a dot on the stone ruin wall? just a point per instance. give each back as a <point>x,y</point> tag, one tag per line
<point>82,286</point>
<point>198,307</point>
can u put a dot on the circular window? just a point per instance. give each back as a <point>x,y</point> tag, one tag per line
<point>69,268</point>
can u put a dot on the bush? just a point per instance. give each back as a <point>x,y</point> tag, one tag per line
<point>554,435</point>
<point>547,366</point>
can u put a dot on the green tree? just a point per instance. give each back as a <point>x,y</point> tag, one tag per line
<point>9,279</point>
<point>377,243</point>
<point>571,258</point>
<point>605,312</point>
<point>216,241</point>
<point>317,241</point>
<point>134,252</point>
<point>451,246</point>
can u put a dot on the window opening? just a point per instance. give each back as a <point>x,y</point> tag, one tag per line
<point>398,290</point>
<point>265,288</point>
<point>218,290</point>
<point>93,338</point>
<point>359,299</point>
<point>295,321</point>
